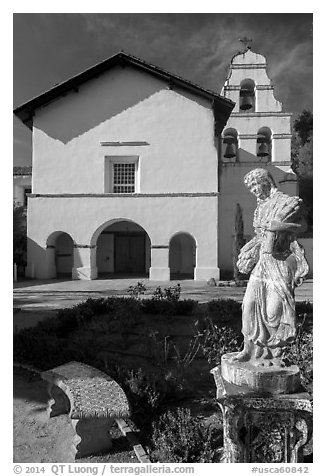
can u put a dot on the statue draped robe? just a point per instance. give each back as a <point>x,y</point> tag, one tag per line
<point>278,265</point>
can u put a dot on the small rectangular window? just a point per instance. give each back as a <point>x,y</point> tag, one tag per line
<point>124,176</point>
<point>121,174</point>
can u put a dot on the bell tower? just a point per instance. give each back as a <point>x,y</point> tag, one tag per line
<point>257,135</point>
<point>263,130</point>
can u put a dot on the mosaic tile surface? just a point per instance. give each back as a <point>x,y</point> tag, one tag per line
<point>91,392</point>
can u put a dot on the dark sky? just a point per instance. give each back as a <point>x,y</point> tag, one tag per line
<point>51,47</point>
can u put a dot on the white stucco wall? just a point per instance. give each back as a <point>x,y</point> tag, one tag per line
<point>124,105</point>
<point>179,157</point>
<point>161,217</point>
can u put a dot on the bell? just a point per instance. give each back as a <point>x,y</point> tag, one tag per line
<point>230,151</point>
<point>246,99</point>
<point>263,150</point>
<point>228,139</point>
<point>262,138</point>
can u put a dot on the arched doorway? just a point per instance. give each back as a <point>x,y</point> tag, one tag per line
<point>182,256</point>
<point>123,248</point>
<point>62,246</point>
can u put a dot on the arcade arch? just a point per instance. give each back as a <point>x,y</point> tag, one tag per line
<point>182,256</point>
<point>123,247</point>
<point>62,246</point>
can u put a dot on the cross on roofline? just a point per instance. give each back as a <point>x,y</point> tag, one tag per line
<point>246,42</point>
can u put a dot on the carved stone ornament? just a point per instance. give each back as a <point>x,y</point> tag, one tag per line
<point>263,428</point>
<point>93,401</point>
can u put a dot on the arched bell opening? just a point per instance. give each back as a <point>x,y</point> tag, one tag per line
<point>230,144</point>
<point>182,256</point>
<point>247,100</point>
<point>123,248</point>
<point>264,143</point>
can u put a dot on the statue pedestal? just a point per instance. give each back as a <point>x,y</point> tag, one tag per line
<point>261,378</point>
<point>263,427</point>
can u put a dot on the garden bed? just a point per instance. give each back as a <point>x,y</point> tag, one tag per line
<point>160,350</point>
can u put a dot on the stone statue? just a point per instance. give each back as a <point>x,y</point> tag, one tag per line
<point>277,264</point>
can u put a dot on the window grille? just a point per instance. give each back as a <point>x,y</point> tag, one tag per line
<point>124,177</point>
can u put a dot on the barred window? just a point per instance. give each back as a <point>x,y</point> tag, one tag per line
<point>124,177</point>
<point>121,174</point>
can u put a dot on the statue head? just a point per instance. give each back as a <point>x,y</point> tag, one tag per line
<point>260,183</point>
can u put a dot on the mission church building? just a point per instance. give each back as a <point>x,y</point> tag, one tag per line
<point>137,171</point>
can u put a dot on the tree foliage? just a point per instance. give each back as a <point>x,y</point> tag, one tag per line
<point>19,235</point>
<point>238,240</point>
<point>302,161</point>
<point>301,148</point>
<point>303,126</point>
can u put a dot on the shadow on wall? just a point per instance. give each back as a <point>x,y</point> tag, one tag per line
<point>55,260</point>
<point>253,160</point>
<point>94,102</point>
<point>232,172</point>
<point>182,255</point>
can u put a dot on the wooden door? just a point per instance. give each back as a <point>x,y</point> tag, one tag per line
<point>130,253</point>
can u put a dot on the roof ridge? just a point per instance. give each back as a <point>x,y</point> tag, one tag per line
<point>25,110</point>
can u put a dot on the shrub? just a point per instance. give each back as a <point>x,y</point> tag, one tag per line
<point>303,307</point>
<point>221,310</point>
<point>184,307</point>
<point>137,290</point>
<point>172,365</point>
<point>168,307</point>
<point>216,341</point>
<point>51,343</point>
<point>145,391</point>
<point>163,301</point>
<point>180,438</point>
<point>167,302</point>
<point>172,293</point>
<point>300,353</point>
<point>158,306</point>
<point>39,349</point>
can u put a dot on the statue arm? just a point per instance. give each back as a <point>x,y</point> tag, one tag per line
<point>249,255</point>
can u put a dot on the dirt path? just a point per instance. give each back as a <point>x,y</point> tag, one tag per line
<point>39,440</point>
<point>35,439</point>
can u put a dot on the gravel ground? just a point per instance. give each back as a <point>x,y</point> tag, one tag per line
<point>39,440</point>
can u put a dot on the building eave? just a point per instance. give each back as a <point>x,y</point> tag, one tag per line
<point>25,112</point>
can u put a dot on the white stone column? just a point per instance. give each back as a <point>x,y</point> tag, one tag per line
<point>84,262</point>
<point>207,258</point>
<point>159,270</point>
